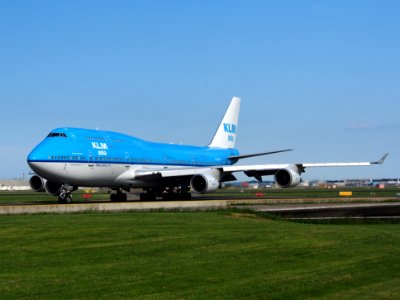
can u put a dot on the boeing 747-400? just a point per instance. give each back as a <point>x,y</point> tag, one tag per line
<point>69,158</point>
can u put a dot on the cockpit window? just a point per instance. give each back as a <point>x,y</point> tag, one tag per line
<point>55,134</point>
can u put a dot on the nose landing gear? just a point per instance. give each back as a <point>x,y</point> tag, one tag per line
<point>65,196</point>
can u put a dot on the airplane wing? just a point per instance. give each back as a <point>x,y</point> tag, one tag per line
<point>150,175</point>
<point>286,175</point>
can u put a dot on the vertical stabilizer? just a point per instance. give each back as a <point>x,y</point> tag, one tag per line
<point>225,137</point>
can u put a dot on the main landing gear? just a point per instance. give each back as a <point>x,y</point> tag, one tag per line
<point>119,196</point>
<point>170,193</point>
<point>65,196</point>
<point>149,195</point>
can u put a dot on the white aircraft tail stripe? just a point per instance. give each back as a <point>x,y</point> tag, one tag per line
<point>225,137</point>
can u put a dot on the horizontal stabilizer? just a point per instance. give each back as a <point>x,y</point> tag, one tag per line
<point>257,154</point>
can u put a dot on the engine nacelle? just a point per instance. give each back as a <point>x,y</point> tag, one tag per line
<point>289,177</point>
<point>205,183</point>
<point>52,188</point>
<point>37,183</point>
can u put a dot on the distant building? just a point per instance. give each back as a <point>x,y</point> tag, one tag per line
<point>328,184</point>
<point>14,185</point>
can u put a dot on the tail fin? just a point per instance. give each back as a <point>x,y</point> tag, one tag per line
<point>225,137</point>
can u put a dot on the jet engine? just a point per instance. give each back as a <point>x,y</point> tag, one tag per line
<point>289,177</point>
<point>206,182</point>
<point>52,188</point>
<point>37,183</point>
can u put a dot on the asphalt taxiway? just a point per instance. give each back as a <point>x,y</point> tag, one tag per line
<point>111,207</point>
<point>289,211</point>
<point>330,211</point>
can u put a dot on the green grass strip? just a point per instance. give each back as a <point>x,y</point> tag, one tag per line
<point>194,255</point>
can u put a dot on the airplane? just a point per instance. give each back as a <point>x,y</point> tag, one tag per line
<point>69,158</point>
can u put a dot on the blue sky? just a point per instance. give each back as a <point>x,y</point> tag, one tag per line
<point>322,77</point>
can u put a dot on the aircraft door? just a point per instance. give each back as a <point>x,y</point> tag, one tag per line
<point>127,160</point>
<point>90,159</point>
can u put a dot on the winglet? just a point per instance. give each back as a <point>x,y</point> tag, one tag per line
<point>379,162</point>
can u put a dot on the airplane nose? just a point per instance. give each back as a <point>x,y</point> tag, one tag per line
<point>35,157</point>
<point>32,160</point>
<point>32,156</point>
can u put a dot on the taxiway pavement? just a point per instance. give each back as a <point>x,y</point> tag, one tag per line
<point>296,211</point>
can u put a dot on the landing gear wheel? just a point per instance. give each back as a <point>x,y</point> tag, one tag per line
<point>177,196</point>
<point>65,196</point>
<point>148,196</point>
<point>113,197</point>
<point>122,197</point>
<point>167,196</point>
<point>118,197</point>
<point>65,199</point>
<point>68,199</point>
<point>186,196</point>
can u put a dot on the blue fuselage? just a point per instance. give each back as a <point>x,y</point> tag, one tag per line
<point>98,148</point>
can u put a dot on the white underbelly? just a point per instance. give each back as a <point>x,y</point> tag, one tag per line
<point>94,175</point>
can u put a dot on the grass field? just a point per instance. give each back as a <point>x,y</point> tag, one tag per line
<point>194,255</point>
<point>366,192</point>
